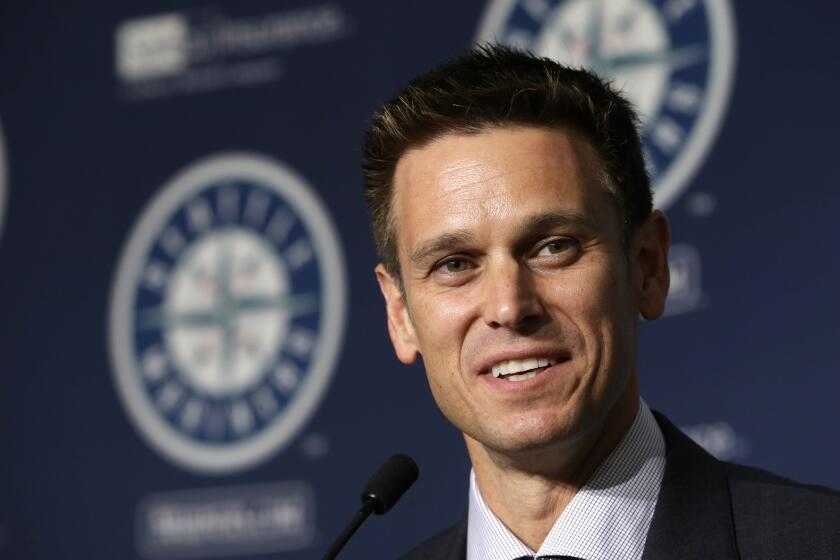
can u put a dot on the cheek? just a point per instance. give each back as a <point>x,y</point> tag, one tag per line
<point>587,300</point>
<point>441,325</point>
<point>441,322</point>
<point>596,305</point>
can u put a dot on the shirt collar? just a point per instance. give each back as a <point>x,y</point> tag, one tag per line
<point>608,518</point>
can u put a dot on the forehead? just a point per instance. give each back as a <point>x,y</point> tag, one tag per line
<point>494,178</point>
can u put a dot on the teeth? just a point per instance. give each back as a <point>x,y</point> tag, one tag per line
<point>509,367</point>
<point>523,376</point>
<point>529,363</point>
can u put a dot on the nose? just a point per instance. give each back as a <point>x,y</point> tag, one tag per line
<point>511,298</point>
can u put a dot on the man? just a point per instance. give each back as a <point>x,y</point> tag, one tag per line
<point>513,215</point>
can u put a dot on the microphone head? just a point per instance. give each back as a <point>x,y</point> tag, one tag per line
<point>390,482</point>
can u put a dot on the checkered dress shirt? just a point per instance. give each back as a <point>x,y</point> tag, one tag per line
<point>607,519</point>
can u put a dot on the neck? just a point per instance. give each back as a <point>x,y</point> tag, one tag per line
<point>529,490</point>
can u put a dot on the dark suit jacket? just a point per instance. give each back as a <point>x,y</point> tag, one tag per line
<point>708,509</point>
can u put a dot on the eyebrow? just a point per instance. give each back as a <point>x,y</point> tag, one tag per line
<point>529,227</point>
<point>440,244</point>
<point>556,220</point>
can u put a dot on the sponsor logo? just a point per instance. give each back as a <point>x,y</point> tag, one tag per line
<point>226,521</point>
<point>685,293</point>
<point>227,313</point>
<point>719,439</point>
<point>205,50</point>
<point>152,47</point>
<point>674,59</point>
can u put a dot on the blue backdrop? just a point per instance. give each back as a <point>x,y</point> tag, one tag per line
<point>193,347</point>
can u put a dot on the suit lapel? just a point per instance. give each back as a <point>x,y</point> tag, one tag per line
<point>450,544</point>
<point>693,517</point>
<point>458,545</point>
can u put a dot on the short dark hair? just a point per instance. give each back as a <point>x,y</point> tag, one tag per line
<point>495,86</point>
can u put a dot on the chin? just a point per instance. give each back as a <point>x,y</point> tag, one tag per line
<point>535,433</point>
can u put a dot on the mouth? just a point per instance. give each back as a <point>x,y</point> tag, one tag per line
<point>521,370</point>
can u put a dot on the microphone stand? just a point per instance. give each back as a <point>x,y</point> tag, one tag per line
<point>381,492</point>
<point>364,512</point>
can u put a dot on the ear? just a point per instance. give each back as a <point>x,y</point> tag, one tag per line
<point>400,327</point>
<point>651,277</point>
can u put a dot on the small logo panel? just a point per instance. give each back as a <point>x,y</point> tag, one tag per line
<point>686,291</point>
<point>204,49</point>
<point>151,47</point>
<point>720,439</point>
<point>674,60</point>
<point>226,521</point>
<point>227,313</point>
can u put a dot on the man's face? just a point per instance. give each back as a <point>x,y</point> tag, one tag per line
<point>518,294</point>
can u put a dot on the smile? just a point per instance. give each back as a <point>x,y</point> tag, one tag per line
<point>521,370</point>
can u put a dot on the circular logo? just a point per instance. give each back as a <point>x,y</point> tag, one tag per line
<point>227,313</point>
<point>673,59</point>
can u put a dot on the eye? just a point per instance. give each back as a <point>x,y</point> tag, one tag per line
<point>558,246</point>
<point>453,265</point>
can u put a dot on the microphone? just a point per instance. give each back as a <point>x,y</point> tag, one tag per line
<point>382,491</point>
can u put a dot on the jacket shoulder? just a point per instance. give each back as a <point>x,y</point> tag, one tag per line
<point>776,517</point>
<point>449,544</point>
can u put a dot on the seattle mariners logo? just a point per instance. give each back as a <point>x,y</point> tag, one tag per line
<point>674,59</point>
<point>227,313</point>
